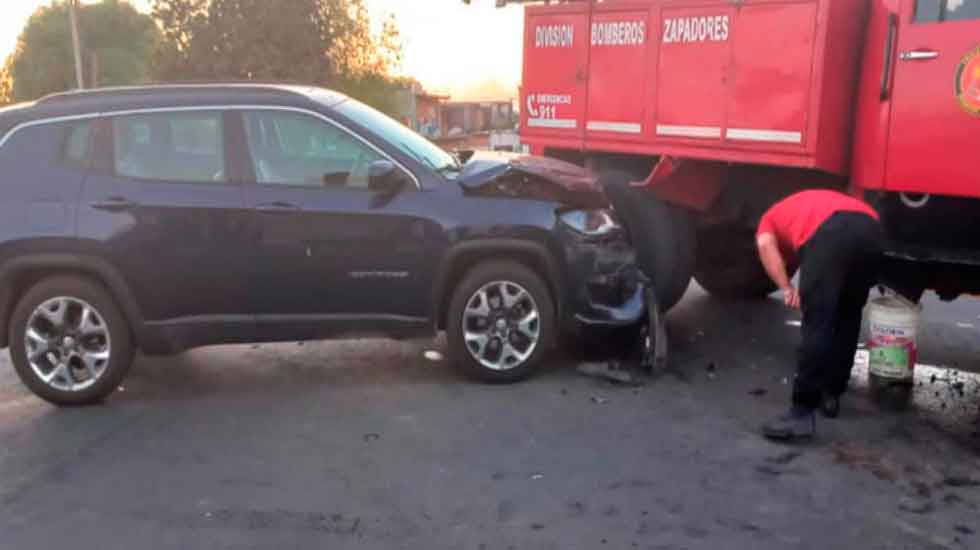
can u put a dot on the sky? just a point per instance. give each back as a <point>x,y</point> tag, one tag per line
<point>471,52</point>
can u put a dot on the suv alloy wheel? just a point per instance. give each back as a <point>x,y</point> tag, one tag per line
<point>501,322</point>
<point>70,344</point>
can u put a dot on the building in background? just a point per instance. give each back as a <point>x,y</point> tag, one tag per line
<point>460,124</point>
<point>422,111</point>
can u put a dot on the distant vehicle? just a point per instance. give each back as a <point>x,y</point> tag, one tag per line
<point>748,101</point>
<point>164,218</point>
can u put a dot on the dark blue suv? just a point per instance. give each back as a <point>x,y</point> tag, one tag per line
<point>164,218</point>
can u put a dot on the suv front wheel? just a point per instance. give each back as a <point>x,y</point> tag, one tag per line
<point>70,343</point>
<point>501,322</point>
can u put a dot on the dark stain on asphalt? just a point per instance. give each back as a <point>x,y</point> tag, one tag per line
<point>952,498</point>
<point>770,470</point>
<point>964,530</point>
<point>961,481</point>
<point>286,520</point>
<point>576,509</point>
<point>611,511</point>
<point>859,456</point>
<point>506,510</point>
<point>784,458</point>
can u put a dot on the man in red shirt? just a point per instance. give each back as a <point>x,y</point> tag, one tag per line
<point>838,242</point>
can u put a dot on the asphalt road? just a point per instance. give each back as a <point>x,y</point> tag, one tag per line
<point>369,445</point>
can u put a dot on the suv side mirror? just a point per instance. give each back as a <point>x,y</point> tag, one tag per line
<point>384,177</point>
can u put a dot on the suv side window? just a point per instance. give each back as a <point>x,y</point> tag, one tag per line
<point>936,11</point>
<point>185,146</point>
<point>296,149</point>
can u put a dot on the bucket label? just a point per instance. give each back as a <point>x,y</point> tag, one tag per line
<point>890,361</point>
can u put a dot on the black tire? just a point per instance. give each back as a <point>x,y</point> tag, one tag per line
<point>484,274</point>
<point>120,353</point>
<point>728,264</point>
<point>662,233</point>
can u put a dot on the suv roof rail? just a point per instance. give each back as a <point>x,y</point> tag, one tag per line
<point>285,88</point>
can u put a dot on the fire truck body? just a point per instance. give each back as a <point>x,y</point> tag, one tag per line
<point>760,98</point>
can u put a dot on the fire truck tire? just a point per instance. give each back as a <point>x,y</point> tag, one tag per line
<point>662,233</point>
<point>728,264</point>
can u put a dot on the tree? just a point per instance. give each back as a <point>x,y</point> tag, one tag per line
<point>117,43</point>
<point>322,42</point>
<point>6,83</point>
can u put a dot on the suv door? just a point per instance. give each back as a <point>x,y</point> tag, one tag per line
<point>163,208</point>
<point>333,255</point>
<point>935,117</point>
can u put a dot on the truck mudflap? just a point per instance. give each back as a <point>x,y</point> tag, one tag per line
<point>694,184</point>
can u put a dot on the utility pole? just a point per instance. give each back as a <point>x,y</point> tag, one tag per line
<point>72,5</point>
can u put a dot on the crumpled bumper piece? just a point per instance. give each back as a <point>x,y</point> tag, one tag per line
<point>607,287</point>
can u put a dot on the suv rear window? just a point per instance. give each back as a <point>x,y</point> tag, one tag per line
<point>78,144</point>
<point>177,147</point>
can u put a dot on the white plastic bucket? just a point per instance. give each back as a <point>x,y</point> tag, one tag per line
<point>894,325</point>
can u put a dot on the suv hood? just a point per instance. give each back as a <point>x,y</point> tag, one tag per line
<point>525,176</point>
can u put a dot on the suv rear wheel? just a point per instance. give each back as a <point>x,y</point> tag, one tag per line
<point>70,343</point>
<point>501,322</point>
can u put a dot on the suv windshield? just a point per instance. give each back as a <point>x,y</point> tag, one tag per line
<point>401,137</point>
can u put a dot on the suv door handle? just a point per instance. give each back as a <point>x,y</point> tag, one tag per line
<point>918,55</point>
<point>277,206</point>
<point>113,204</point>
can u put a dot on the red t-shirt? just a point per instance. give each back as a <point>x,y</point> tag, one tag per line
<point>796,218</point>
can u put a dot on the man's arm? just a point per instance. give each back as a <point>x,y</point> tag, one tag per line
<point>775,266</point>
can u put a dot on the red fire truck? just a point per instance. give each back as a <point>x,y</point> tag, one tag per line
<point>699,114</point>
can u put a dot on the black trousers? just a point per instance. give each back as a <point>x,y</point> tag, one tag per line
<point>838,267</point>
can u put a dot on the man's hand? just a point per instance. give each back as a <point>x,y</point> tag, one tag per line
<point>791,297</point>
<point>772,260</point>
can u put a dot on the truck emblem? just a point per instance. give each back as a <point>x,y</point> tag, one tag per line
<point>967,83</point>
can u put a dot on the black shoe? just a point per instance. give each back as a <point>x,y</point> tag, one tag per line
<point>798,423</point>
<point>830,405</point>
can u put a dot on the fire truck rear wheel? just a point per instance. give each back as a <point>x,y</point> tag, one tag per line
<point>728,264</point>
<point>662,233</point>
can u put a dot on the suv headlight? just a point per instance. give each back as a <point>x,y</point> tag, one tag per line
<point>591,223</point>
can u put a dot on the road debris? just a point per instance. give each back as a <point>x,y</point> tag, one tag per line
<point>432,355</point>
<point>758,392</point>
<point>961,481</point>
<point>784,458</point>
<point>915,505</point>
<point>612,371</point>
<point>963,530</point>
<point>712,369</point>
<point>536,477</point>
<point>599,400</point>
<point>371,437</point>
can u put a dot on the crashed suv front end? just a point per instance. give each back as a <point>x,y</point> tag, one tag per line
<point>600,285</point>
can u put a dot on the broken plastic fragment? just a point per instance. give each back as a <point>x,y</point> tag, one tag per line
<point>432,355</point>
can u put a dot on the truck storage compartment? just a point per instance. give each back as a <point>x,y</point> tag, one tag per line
<point>760,81</point>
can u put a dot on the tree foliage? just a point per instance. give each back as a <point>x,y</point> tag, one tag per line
<point>6,84</point>
<point>322,42</point>
<point>117,43</point>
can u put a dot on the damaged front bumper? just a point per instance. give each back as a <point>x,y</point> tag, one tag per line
<point>605,287</point>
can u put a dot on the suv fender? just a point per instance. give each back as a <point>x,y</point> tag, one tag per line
<point>50,264</point>
<point>464,256</point>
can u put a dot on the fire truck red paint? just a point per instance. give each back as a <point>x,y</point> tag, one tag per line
<point>763,97</point>
<point>707,80</point>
